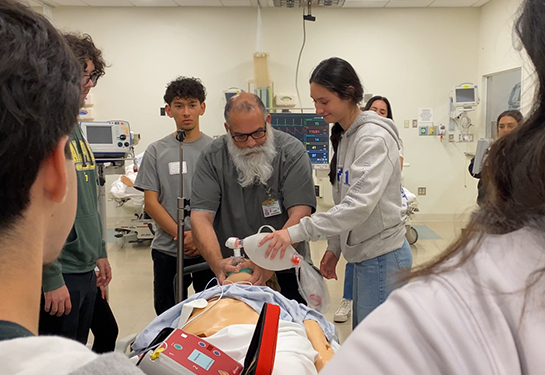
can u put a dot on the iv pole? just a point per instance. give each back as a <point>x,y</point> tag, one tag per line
<point>180,136</point>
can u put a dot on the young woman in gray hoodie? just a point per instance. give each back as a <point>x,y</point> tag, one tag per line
<point>365,224</point>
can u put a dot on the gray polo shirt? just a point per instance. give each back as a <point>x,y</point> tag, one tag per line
<point>159,172</point>
<point>239,211</point>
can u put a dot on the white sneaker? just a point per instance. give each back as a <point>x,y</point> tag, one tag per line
<point>343,312</point>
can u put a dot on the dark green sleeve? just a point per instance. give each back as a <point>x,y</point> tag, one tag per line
<point>52,276</point>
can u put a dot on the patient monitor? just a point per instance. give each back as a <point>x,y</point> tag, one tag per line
<point>109,138</point>
<point>466,96</point>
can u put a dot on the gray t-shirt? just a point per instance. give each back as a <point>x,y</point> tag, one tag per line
<point>239,211</point>
<point>159,172</point>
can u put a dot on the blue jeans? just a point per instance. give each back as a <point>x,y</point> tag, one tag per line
<point>348,281</point>
<point>375,279</point>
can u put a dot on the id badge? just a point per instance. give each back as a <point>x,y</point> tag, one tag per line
<point>271,207</point>
<point>174,167</point>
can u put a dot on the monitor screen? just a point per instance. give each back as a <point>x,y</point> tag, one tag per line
<point>99,135</point>
<point>309,128</point>
<point>465,95</point>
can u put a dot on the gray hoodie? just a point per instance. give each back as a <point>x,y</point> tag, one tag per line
<point>366,219</point>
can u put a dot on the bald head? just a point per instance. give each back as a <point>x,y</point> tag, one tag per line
<point>244,103</point>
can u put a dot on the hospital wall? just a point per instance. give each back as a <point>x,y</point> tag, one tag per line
<point>413,56</point>
<point>497,51</point>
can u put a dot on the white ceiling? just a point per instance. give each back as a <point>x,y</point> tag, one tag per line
<point>253,3</point>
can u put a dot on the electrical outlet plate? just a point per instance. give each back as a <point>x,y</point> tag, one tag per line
<point>451,137</point>
<point>415,123</point>
<point>421,191</point>
<point>465,138</point>
<point>406,123</point>
<point>423,130</point>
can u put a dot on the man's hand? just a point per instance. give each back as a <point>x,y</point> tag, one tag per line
<point>280,240</point>
<point>221,267</point>
<point>104,272</point>
<point>189,246</point>
<point>104,293</point>
<point>259,276</point>
<point>328,264</point>
<point>57,302</point>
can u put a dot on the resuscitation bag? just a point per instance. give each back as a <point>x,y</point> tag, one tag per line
<point>311,283</point>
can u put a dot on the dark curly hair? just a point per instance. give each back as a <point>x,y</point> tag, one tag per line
<point>185,88</point>
<point>84,48</point>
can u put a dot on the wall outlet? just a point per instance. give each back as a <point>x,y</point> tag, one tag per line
<point>451,137</point>
<point>406,123</point>
<point>415,123</point>
<point>421,191</point>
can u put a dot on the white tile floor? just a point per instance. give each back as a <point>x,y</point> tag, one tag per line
<point>131,289</point>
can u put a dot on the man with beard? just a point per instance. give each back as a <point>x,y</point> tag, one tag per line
<point>159,179</point>
<point>252,176</point>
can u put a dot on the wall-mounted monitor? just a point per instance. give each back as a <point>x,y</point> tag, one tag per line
<point>311,129</point>
<point>466,96</point>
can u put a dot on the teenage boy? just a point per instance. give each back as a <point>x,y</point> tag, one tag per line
<point>158,177</point>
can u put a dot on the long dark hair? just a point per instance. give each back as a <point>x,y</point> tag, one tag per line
<point>511,113</point>
<point>369,103</point>
<point>338,76</point>
<point>514,175</point>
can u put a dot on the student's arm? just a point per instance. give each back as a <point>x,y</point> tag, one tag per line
<point>206,240</point>
<point>56,294</point>
<point>159,214</point>
<point>296,213</point>
<point>368,177</point>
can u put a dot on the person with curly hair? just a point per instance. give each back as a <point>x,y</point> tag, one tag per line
<point>70,283</point>
<point>159,179</point>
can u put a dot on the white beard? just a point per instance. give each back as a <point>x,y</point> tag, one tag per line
<point>253,164</point>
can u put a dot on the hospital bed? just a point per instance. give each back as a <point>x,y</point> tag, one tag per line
<point>140,227</point>
<point>409,203</point>
<point>295,352</point>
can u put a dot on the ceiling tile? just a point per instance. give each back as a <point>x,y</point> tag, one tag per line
<point>236,3</point>
<point>408,3</point>
<point>153,3</point>
<point>68,3</point>
<point>452,3</point>
<point>198,3</point>
<point>365,3</point>
<point>108,3</point>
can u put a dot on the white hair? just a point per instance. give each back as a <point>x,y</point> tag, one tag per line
<point>254,165</point>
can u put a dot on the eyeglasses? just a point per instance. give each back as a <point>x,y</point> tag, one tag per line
<point>258,134</point>
<point>93,77</point>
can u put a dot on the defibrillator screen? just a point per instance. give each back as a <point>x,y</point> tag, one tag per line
<point>99,135</point>
<point>200,359</point>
